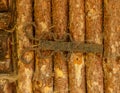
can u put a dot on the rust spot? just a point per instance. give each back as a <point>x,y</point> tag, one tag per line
<point>78,60</point>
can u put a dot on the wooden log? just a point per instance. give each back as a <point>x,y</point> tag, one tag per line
<point>43,78</point>
<point>5,20</point>
<point>5,66</point>
<point>77,30</point>
<point>94,69</point>
<point>59,15</point>
<point>112,46</point>
<point>25,71</point>
<point>6,87</point>
<point>7,15</point>
<point>3,5</point>
<point>5,47</point>
<point>5,53</point>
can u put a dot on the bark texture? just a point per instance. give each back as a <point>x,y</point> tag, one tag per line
<point>112,46</point>
<point>5,66</point>
<point>5,48</point>
<point>43,78</point>
<point>94,71</point>
<point>5,52</point>
<point>25,71</point>
<point>77,30</point>
<point>6,87</point>
<point>3,5</point>
<point>59,15</point>
<point>5,19</point>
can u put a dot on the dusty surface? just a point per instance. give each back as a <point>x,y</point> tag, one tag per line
<point>112,46</point>
<point>94,69</point>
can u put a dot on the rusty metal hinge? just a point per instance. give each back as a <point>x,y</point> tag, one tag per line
<point>48,42</point>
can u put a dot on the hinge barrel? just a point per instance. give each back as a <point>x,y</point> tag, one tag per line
<point>70,46</point>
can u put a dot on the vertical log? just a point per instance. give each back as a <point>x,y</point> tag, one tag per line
<point>25,71</point>
<point>94,71</point>
<point>59,15</point>
<point>77,30</point>
<point>43,79</point>
<point>112,46</point>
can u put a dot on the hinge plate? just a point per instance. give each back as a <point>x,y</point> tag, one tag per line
<point>48,42</point>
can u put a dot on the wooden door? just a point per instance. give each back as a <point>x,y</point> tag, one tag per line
<point>59,46</point>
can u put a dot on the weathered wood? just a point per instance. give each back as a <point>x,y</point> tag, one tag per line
<point>5,47</point>
<point>59,15</point>
<point>5,19</point>
<point>112,46</point>
<point>94,71</point>
<point>43,78</point>
<point>4,5</point>
<point>5,52</point>
<point>6,87</point>
<point>5,66</point>
<point>25,71</point>
<point>77,30</point>
<point>61,74</point>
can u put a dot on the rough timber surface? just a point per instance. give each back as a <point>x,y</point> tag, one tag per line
<point>5,48</point>
<point>3,5</point>
<point>76,62</point>
<point>112,46</point>
<point>59,16</point>
<point>6,87</point>
<point>94,71</point>
<point>25,71</point>
<point>43,77</point>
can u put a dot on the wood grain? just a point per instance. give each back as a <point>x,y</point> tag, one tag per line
<point>25,71</point>
<point>43,77</point>
<point>94,68</point>
<point>59,17</point>
<point>77,30</point>
<point>4,5</point>
<point>112,46</point>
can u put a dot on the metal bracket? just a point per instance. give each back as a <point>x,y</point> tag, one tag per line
<point>70,46</point>
<point>48,42</point>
